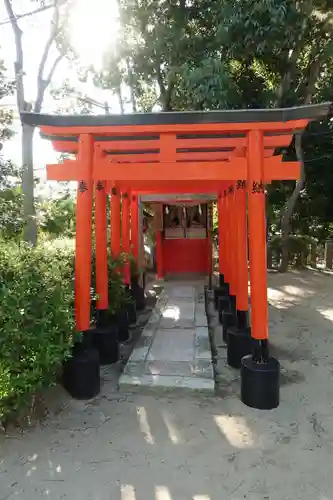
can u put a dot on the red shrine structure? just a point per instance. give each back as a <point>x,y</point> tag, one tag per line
<point>181,162</point>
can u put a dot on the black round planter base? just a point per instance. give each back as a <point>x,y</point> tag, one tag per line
<point>105,340</point>
<point>242,319</point>
<point>228,320</point>
<point>220,291</point>
<point>239,345</point>
<point>81,376</point>
<point>131,311</point>
<point>223,303</point>
<point>102,317</point>
<point>233,303</point>
<point>138,295</point>
<point>260,383</point>
<point>122,322</point>
<point>130,307</point>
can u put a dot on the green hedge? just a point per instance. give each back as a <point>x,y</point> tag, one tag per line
<point>37,323</point>
<point>37,317</point>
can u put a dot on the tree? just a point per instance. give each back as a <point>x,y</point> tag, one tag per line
<point>10,192</point>
<point>156,39</point>
<point>294,67</point>
<point>68,100</point>
<point>44,78</point>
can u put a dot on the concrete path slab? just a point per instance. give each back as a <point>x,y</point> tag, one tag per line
<point>173,352</point>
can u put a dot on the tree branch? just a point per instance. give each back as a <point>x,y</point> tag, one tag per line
<point>18,65</point>
<point>42,83</point>
<point>27,14</point>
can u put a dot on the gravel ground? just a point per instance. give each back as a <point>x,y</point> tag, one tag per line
<point>139,447</point>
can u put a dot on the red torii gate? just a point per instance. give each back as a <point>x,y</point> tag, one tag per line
<point>229,153</point>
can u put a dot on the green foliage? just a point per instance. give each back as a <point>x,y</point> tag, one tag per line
<point>118,297</point>
<point>6,114</point>
<point>37,323</point>
<point>37,316</point>
<point>299,248</point>
<point>58,216</point>
<point>11,201</point>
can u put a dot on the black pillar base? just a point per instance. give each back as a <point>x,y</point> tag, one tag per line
<point>122,322</point>
<point>242,319</point>
<point>220,291</point>
<point>102,317</point>
<point>233,304</point>
<point>228,320</point>
<point>131,311</point>
<point>260,383</point>
<point>130,307</point>
<point>223,303</point>
<point>105,340</point>
<point>239,345</point>
<point>81,373</point>
<point>138,295</point>
<point>221,279</point>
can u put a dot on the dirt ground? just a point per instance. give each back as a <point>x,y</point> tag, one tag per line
<point>136,447</point>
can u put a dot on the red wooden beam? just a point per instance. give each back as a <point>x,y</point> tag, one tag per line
<point>273,141</point>
<point>179,128</point>
<point>166,171</point>
<point>173,173</point>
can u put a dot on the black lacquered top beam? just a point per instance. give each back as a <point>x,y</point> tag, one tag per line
<point>310,112</point>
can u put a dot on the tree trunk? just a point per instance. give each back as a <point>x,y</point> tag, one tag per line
<point>30,227</point>
<point>120,99</point>
<point>285,223</point>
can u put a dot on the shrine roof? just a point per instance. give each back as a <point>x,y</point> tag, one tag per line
<point>278,115</point>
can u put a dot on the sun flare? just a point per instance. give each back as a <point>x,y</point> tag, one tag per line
<point>93,29</point>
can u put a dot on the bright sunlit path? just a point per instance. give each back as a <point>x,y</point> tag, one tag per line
<point>162,493</point>
<point>235,430</point>
<point>327,313</point>
<point>93,29</point>
<point>127,492</point>
<point>173,432</point>
<point>144,425</point>
<point>297,291</point>
<point>171,312</point>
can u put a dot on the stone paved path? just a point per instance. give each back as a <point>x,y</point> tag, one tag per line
<point>174,350</point>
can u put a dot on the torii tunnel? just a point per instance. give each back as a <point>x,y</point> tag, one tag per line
<point>228,156</point>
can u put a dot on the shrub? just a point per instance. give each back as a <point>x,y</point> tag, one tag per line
<point>118,296</point>
<point>298,248</point>
<point>37,322</point>
<point>37,316</point>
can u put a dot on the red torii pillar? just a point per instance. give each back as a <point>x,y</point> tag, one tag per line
<point>227,238</point>
<point>101,243</point>
<point>221,224</point>
<point>115,223</point>
<point>135,229</point>
<point>242,274</point>
<point>126,240</point>
<point>229,291</point>
<point>259,371</point>
<point>233,248</point>
<point>238,334</point>
<point>159,255</point>
<point>224,253</point>
<point>83,244</point>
